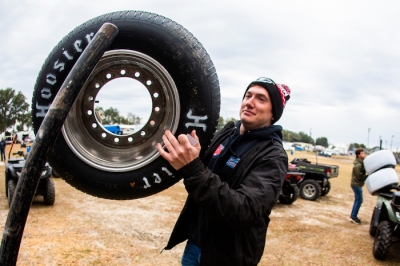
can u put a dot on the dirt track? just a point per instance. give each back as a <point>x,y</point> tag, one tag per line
<point>83,230</point>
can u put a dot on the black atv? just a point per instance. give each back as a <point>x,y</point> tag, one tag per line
<point>13,170</point>
<point>290,192</point>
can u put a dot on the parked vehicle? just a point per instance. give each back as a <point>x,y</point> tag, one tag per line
<point>298,148</point>
<point>290,192</point>
<point>383,182</point>
<point>115,129</point>
<point>316,180</point>
<point>385,221</point>
<point>13,170</point>
<point>325,153</point>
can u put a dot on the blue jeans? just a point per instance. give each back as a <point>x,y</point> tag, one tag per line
<point>3,154</point>
<point>191,255</point>
<point>358,195</point>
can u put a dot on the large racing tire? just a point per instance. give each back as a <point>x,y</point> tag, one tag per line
<point>50,192</point>
<point>383,240</point>
<point>378,160</point>
<point>310,189</point>
<point>11,189</point>
<point>182,84</point>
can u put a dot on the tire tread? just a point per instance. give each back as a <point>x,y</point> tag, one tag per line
<point>383,240</point>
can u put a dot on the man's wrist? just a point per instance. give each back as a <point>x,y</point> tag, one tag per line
<point>191,168</point>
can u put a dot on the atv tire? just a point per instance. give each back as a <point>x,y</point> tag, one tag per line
<point>326,189</point>
<point>11,189</point>
<point>372,227</point>
<point>289,194</point>
<point>383,240</point>
<point>183,86</point>
<point>50,192</point>
<point>310,189</point>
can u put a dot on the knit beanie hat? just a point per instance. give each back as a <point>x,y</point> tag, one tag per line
<point>279,94</point>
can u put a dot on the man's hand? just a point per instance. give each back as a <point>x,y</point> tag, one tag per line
<point>180,151</point>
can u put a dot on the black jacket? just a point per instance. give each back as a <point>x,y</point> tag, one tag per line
<point>237,210</point>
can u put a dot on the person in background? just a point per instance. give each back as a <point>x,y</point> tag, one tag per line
<point>232,189</point>
<point>358,177</point>
<point>3,145</point>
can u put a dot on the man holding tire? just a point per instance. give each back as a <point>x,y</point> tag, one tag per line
<point>233,187</point>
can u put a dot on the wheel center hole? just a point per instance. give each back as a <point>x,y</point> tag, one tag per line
<point>123,106</point>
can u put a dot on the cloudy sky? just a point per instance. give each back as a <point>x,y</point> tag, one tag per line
<point>341,59</point>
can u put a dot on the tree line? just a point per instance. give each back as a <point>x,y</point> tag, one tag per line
<point>112,116</point>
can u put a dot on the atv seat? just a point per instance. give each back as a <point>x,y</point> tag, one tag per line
<point>15,161</point>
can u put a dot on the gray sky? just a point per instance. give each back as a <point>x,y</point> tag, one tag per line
<point>341,59</point>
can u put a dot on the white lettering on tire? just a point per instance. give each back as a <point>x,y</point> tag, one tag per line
<point>51,78</point>
<point>196,122</point>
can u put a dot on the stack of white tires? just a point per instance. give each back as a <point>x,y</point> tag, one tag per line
<point>380,168</point>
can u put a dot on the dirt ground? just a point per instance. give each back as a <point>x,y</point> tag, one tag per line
<point>84,230</point>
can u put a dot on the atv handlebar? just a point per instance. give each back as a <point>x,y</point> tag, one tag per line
<point>19,153</point>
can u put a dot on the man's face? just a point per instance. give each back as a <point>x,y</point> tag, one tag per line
<point>362,155</point>
<point>256,108</point>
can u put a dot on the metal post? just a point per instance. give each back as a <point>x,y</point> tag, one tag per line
<point>391,142</point>
<point>46,136</point>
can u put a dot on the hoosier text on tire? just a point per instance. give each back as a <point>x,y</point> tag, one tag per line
<point>180,77</point>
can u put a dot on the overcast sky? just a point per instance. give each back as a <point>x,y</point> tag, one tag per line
<point>341,59</point>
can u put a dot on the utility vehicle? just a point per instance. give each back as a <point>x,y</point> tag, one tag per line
<point>13,170</point>
<point>316,181</point>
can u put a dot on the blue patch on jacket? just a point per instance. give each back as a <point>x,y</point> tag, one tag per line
<point>232,162</point>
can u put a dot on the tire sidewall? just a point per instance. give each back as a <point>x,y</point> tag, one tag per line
<point>372,227</point>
